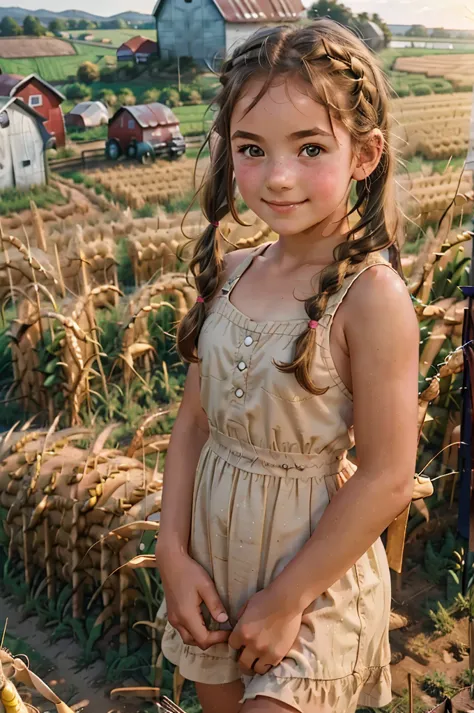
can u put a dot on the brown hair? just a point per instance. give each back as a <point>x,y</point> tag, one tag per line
<point>327,56</point>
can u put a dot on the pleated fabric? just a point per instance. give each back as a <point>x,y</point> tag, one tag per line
<point>274,458</point>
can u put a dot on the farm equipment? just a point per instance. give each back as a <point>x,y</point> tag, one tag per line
<point>144,132</point>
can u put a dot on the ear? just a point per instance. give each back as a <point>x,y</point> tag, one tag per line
<point>367,155</point>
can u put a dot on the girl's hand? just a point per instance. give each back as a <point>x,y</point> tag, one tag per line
<point>186,585</point>
<point>266,630</point>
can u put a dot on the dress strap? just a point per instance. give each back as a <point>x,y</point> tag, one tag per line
<point>375,258</point>
<point>242,267</point>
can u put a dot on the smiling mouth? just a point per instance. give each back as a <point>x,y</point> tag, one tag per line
<point>284,203</point>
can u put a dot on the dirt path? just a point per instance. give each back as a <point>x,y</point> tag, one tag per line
<point>81,689</point>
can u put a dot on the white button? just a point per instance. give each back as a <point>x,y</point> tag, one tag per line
<point>239,393</point>
<point>248,341</point>
<point>241,365</point>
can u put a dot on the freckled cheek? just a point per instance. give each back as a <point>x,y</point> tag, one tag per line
<point>326,184</point>
<point>249,180</point>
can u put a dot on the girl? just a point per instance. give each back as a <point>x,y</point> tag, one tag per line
<point>276,580</point>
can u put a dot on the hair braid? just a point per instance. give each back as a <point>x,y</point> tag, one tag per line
<point>206,265</point>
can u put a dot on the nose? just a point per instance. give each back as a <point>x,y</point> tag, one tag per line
<point>280,176</point>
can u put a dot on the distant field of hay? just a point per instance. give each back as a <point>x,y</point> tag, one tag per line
<point>456,68</point>
<point>20,47</point>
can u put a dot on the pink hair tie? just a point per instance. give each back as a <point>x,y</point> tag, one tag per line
<point>215,223</point>
<point>199,299</point>
<point>312,324</point>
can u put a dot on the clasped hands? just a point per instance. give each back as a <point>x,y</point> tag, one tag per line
<point>267,624</point>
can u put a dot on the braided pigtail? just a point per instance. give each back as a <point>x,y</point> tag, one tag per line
<point>332,279</point>
<point>206,265</point>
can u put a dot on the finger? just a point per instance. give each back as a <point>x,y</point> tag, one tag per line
<point>211,599</point>
<point>203,637</point>
<point>260,667</point>
<point>185,635</point>
<point>246,659</point>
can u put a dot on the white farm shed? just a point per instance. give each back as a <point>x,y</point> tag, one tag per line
<point>86,115</point>
<point>23,140</point>
<point>210,29</point>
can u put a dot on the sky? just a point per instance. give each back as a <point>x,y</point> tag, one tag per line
<point>456,14</point>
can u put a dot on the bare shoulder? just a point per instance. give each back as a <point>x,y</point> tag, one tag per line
<point>378,317</point>
<point>379,291</point>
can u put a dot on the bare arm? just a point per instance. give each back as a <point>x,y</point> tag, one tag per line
<point>383,337</point>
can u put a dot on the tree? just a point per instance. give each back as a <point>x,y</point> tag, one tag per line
<point>126,97</point>
<point>71,24</point>
<point>108,73</point>
<point>86,25</point>
<point>150,96</point>
<point>440,32</point>
<point>32,26</point>
<point>9,27</point>
<point>56,26</point>
<point>387,33</point>
<point>77,91</point>
<point>417,31</point>
<point>108,97</point>
<point>88,72</point>
<point>331,8</point>
<point>170,96</point>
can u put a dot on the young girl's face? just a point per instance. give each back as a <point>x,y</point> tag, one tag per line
<point>290,168</point>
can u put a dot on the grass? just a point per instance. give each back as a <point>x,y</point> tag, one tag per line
<point>13,200</point>
<point>57,69</point>
<point>416,163</point>
<point>96,133</point>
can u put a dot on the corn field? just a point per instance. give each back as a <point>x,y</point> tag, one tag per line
<point>80,501</point>
<point>436,127</point>
<point>159,183</point>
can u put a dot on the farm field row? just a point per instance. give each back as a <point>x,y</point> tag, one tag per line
<point>457,69</point>
<point>15,47</point>
<point>436,127</point>
<point>57,69</point>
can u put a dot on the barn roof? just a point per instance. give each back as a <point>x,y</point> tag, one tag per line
<point>9,83</point>
<point>255,10</point>
<point>89,109</point>
<point>151,115</point>
<point>134,43</point>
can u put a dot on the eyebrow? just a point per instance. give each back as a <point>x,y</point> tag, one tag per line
<point>304,133</point>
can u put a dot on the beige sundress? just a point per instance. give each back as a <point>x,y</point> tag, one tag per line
<point>275,456</point>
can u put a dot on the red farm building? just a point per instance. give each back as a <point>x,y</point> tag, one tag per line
<point>138,49</point>
<point>144,131</point>
<point>40,96</point>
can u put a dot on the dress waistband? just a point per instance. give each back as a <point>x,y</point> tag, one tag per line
<point>263,461</point>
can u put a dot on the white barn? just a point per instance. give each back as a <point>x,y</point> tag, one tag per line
<point>23,140</point>
<point>209,29</point>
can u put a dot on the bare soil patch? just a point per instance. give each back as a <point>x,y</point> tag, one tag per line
<point>18,47</point>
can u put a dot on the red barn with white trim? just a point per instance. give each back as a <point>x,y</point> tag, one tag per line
<point>138,49</point>
<point>40,96</point>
